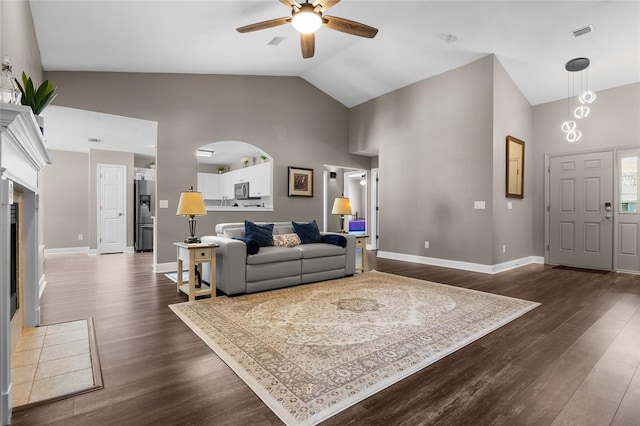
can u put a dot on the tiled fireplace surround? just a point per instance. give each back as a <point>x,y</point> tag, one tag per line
<point>23,154</point>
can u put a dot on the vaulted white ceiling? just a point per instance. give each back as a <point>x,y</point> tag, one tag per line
<point>531,39</point>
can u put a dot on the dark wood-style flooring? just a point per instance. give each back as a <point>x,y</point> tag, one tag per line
<point>574,360</point>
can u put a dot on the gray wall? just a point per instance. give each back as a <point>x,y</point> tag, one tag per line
<point>614,121</point>
<point>70,197</point>
<point>512,115</point>
<point>271,113</point>
<point>65,199</point>
<point>18,39</point>
<point>435,141</point>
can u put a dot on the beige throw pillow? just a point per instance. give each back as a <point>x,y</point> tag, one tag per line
<point>286,240</point>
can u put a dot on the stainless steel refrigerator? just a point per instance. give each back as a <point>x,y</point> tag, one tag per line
<point>144,212</point>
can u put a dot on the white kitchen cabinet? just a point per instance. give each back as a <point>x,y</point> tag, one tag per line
<point>259,178</point>
<point>227,180</point>
<point>208,184</point>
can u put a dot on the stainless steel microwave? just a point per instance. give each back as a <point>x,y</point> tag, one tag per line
<point>241,191</point>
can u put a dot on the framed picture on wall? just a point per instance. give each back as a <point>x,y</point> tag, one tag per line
<point>300,182</point>
<point>515,167</point>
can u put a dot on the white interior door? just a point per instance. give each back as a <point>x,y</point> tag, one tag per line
<point>112,231</point>
<point>580,226</point>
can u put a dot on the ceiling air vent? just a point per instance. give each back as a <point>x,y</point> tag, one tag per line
<point>95,140</point>
<point>582,31</point>
<point>275,41</point>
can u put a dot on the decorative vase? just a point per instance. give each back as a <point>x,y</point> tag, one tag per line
<point>9,93</point>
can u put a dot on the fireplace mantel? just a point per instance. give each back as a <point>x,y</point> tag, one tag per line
<point>23,153</point>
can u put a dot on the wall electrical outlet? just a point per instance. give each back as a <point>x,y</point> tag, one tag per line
<point>426,244</point>
<point>504,248</point>
<point>80,237</point>
<point>163,204</point>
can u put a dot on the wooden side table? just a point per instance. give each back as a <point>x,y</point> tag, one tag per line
<point>196,254</point>
<point>361,242</point>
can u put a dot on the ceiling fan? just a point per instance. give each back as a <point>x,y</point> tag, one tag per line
<point>307,18</point>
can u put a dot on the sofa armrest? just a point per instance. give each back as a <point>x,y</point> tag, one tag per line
<point>231,259</point>
<point>350,252</point>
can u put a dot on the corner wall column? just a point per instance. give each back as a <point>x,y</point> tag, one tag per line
<point>5,315</point>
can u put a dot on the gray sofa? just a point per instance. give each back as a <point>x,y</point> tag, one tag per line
<point>275,267</point>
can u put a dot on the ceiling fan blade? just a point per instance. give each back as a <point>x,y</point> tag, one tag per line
<point>308,44</point>
<point>291,4</point>
<point>325,4</point>
<point>349,27</point>
<point>263,25</point>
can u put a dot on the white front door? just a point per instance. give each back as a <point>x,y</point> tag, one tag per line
<point>580,210</point>
<point>112,228</point>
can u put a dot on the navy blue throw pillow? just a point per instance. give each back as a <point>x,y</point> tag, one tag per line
<point>253,246</point>
<point>338,240</point>
<point>308,232</point>
<point>263,234</point>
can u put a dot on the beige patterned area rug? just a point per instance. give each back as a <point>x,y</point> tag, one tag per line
<point>311,351</point>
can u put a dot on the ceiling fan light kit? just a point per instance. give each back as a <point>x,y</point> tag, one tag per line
<point>307,19</point>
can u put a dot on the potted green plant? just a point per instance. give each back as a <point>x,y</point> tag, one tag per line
<point>220,169</point>
<point>39,98</point>
<point>264,158</point>
<point>152,164</point>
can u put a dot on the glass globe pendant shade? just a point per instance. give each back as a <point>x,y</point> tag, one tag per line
<point>568,126</point>
<point>582,112</point>
<point>9,92</point>
<point>587,97</point>
<point>574,136</point>
<point>306,21</point>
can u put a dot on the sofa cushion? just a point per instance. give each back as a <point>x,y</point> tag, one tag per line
<point>263,234</point>
<point>310,251</point>
<point>282,228</point>
<point>320,264</point>
<point>286,240</point>
<point>274,254</point>
<point>308,232</point>
<point>234,233</point>
<point>272,271</point>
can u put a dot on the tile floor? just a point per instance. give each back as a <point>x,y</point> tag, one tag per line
<point>51,361</point>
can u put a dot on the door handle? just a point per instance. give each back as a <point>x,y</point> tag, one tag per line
<point>119,214</point>
<point>608,210</point>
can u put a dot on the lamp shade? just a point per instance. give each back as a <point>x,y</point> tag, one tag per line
<point>191,204</point>
<point>341,206</point>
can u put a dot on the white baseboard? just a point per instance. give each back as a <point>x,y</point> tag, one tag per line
<point>5,405</point>
<point>465,266</point>
<point>93,252</point>
<point>163,268</point>
<point>626,271</point>
<point>67,250</point>
<point>129,250</point>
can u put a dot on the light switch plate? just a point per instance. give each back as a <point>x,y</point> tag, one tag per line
<point>509,205</point>
<point>478,205</point>
<point>164,204</point>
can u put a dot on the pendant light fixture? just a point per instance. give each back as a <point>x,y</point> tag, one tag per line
<point>586,97</point>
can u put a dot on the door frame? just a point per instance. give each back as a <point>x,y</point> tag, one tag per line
<point>615,201</point>
<point>99,199</point>
<point>374,232</point>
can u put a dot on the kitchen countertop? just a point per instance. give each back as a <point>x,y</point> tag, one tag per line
<point>239,208</point>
